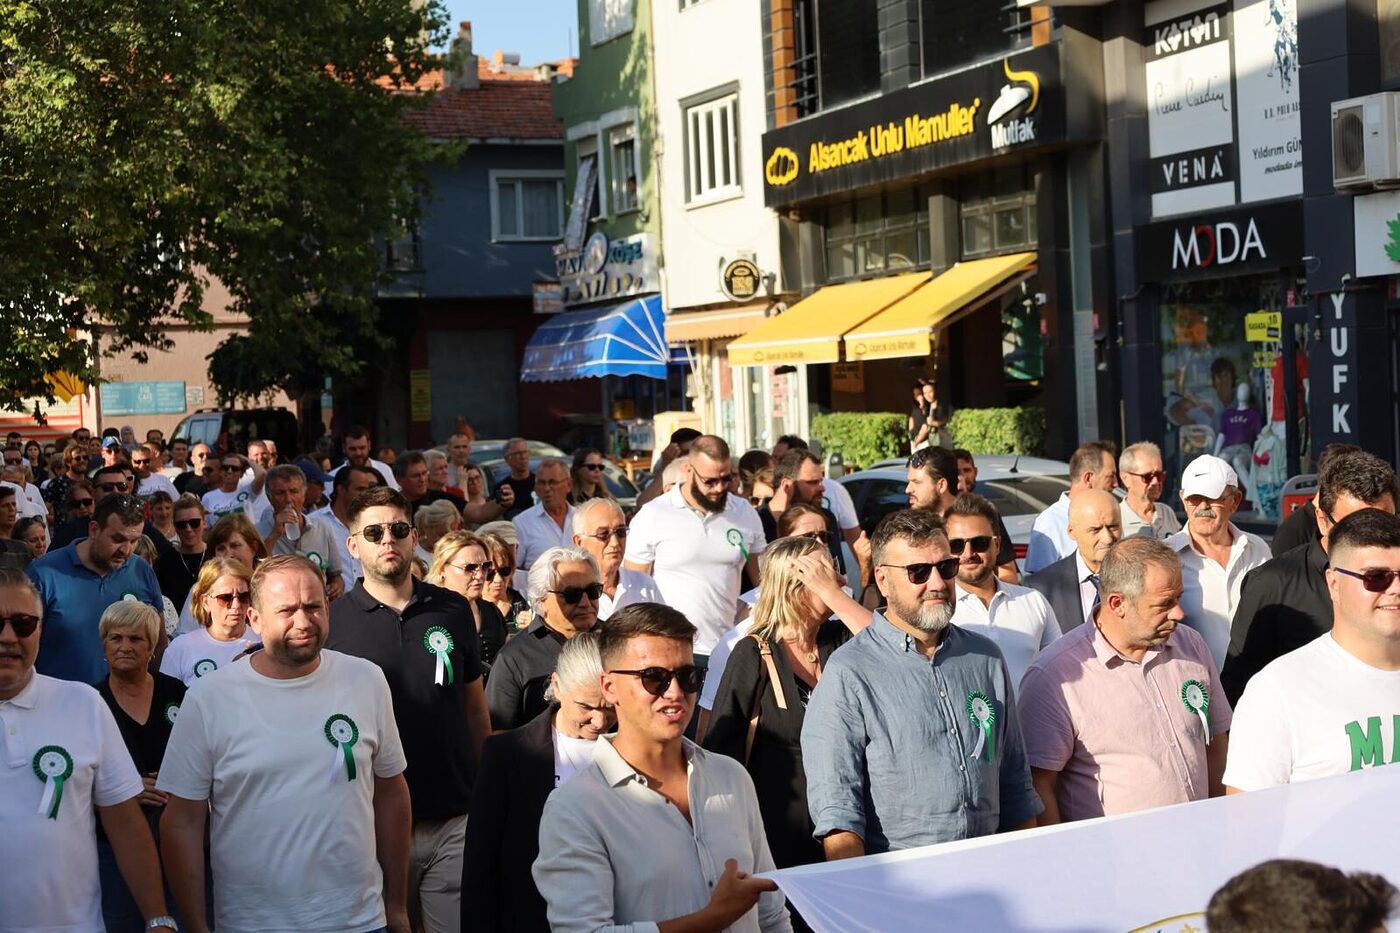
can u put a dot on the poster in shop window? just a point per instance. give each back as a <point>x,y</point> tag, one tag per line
<point>1266,86</point>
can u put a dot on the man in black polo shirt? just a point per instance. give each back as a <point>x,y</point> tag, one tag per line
<point>424,639</point>
<point>797,477</point>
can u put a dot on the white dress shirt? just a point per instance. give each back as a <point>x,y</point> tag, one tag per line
<point>386,471</point>
<point>633,586</point>
<point>535,533</point>
<point>1211,593</point>
<point>1019,619</point>
<point>1088,585</point>
<point>1050,538</point>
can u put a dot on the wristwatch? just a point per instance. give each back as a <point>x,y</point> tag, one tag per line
<point>167,922</point>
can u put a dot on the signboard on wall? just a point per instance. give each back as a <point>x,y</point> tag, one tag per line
<point>1377,221</point>
<point>1233,242</point>
<point>1266,86</point>
<point>607,269</point>
<point>420,394</point>
<point>143,398</point>
<point>1190,107</point>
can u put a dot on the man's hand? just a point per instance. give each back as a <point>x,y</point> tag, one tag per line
<point>669,453</point>
<point>735,895</point>
<point>150,797</point>
<point>505,495</point>
<point>284,518</point>
<point>397,920</point>
<point>335,588</point>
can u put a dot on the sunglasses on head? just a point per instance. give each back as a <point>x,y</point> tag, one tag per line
<point>24,625</point>
<point>655,680</point>
<point>227,599</point>
<point>572,594</point>
<point>375,533</point>
<point>188,523</point>
<point>919,573</point>
<point>1375,580</point>
<point>607,534</point>
<point>980,544</point>
<point>486,568</point>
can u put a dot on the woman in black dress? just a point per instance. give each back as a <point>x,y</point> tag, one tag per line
<point>145,706</point>
<point>462,564</point>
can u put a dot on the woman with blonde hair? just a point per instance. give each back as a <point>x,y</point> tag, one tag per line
<point>499,591</point>
<point>219,603</point>
<point>233,536</point>
<point>462,564</point>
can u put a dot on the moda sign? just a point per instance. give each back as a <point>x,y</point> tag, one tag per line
<point>1242,240</point>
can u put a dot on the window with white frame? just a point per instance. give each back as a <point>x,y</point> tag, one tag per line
<point>587,149</point>
<point>527,205</point>
<point>622,141</point>
<point>712,149</point>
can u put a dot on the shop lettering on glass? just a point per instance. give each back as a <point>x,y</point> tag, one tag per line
<point>1339,356</point>
<point>1219,244</point>
<point>606,269</point>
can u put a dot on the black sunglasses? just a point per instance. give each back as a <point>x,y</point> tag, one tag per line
<point>572,594</point>
<point>375,533</point>
<point>230,467</point>
<point>189,523</point>
<point>595,467</point>
<point>980,544</point>
<point>1374,580</point>
<point>114,487</point>
<point>24,625</point>
<point>607,534</point>
<point>655,680</point>
<point>919,573</point>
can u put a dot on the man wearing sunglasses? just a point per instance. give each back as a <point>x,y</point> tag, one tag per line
<point>57,729</point>
<point>232,494</point>
<point>75,465</point>
<point>1140,468</point>
<point>695,873</point>
<point>194,481</point>
<point>148,481</point>
<point>600,528</point>
<point>1285,603</point>
<point>912,738</point>
<point>1333,705</point>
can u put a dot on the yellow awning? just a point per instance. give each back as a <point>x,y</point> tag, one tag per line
<point>65,385</point>
<point>690,326</point>
<point>906,327</point>
<point>810,331</point>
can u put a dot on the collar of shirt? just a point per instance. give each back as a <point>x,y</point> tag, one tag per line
<point>539,629</point>
<point>28,698</point>
<point>678,501</point>
<point>896,639</point>
<point>1107,654</point>
<point>1182,541</point>
<point>998,592</point>
<point>361,599</point>
<point>1083,571</point>
<point>616,770</point>
<point>1317,557</point>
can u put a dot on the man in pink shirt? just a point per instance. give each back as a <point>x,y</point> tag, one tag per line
<point>1126,713</point>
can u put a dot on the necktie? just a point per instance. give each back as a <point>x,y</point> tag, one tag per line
<point>1094,579</point>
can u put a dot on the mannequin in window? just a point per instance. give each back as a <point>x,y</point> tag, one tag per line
<point>1239,427</point>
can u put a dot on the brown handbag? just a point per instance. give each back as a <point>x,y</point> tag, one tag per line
<point>769,674</point>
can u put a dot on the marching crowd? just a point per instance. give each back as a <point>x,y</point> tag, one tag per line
<point>394,694</point>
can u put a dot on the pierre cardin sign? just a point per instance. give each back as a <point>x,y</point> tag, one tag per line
<point>1014,103</point>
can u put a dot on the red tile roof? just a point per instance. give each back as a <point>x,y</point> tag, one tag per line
<point>505,106</point>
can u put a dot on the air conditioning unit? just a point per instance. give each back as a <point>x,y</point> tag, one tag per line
<point>1366,141</point>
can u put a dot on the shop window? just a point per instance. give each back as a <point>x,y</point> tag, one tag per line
<point>957,33</point>
<point>998,213</point>
<point>877,233</point>
<point>848,57</point>
<point>623,143</point>
<point>712,149</point>
<point>527,206</point>
<point>589,167</point>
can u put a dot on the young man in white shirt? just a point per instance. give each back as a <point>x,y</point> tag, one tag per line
<point>356,445</point>
<point>231,495</point>
<point>612,852</point>
<point>311,813</point>
<point>1333,705</point>
<point>148,481</point>
<point>1091,466</point>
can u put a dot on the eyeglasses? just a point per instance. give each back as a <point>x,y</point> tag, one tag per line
<point>230,467</point>
<point>487,569</point>
<point>80,503</point>
<point>919,573</point>
<point>228,599</point>
<point>1374,580</point>
<point>1156,476</point>
<point>24,625</point>
<point>655,680</point>
<point>189,523</point>
<point>607,534</point>
<point>114,487</point>
<point>595,467</point>
<point>814,535</point>
<point>15,462</point>
<point>572,594</point>
<point>980,544</point>
<point>375,533</point>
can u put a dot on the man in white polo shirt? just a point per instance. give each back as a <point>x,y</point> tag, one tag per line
<point>63,766</point>
<point>695,541</point>
<point>548,523</point>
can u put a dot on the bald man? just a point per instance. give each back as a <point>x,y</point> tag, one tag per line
<point>1071,584</point>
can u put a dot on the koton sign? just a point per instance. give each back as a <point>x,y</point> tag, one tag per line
<point>1236,241</point>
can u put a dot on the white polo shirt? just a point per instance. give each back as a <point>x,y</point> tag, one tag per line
<point>385,471</point>
<point>349,567</point>
<point>1019,620</point>
<point>50,865</point>
<point>535,533</point>
<point>1050,538</point>
<point>697,561</point>
<point>1211,592</point>
<point>633,586</point>
<point>154,483</point>
<point>838,503</point>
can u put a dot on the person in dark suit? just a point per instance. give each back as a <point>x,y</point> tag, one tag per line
<point>1070,584</point>
<point>519,770</point>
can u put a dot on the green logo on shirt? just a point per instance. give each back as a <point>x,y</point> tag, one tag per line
<point>204,666</point>
<point>1368,748</point>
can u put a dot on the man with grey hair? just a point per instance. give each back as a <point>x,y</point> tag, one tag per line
<point>520,481</point>
<point>676,471</point>
<point>912,738</point>
<point>563,590</point>
<point>1126,713</point>
<point>550,522</point>
<point>459,454</point>
<point>1140,467</point>
<point>600,528</point>
<point>285,528</point>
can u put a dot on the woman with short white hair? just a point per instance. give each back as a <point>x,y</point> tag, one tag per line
<point>433,521</point>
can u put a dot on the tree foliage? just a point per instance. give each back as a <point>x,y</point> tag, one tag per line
<point>147,149</point>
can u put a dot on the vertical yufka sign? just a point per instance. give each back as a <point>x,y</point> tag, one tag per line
<point>1266,87</point>
<point>1190,107</point>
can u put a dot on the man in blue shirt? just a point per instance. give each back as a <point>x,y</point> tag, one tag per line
<point>911,736</point>
<point>78,582</point>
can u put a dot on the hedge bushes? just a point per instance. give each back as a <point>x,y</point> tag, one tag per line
<point>862,437</point>
<point>999,430</point>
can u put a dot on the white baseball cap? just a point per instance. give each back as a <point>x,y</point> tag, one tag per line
<point>1208,476</point>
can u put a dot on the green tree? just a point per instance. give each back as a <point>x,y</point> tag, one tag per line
<point>149,148</point>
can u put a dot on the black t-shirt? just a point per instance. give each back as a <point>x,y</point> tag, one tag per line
<point>491,636</point>
<point>524,489</point>
<point>1300,527</point>
<point>176,573</point>
<point>515,692</point>
<point>146,741</point>
<point>833,534</point>
<point>432,717</point>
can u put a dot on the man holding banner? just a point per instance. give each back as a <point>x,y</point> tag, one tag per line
<point>1126,713</point>
<point>1333,705</point>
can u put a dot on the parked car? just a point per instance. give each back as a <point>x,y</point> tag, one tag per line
<point>228,430</point>
<point>495,449</point>
<point>1020,488</point>
<point>617,482</point>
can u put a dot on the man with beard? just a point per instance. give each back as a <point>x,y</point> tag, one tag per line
<point>424,639</point>
<point>696,541</point>
<point>933,480</point>
<point>311,814</point>
<point>1214,554</point>
<point>797,477</point>
<point>357,446</point>
<point>1017,618</point>
<point>1071,584</point>
<point>911,738</point>
<point>1126,712</point>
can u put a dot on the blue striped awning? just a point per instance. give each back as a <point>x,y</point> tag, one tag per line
<point>627,339</point>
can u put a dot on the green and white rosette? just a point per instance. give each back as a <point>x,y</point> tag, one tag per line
<point>1197,699</point>
<point>342,733</point>
<point>984,717</point>
<point>172,712</point>
<point>205,666</point>
<point>54,766</point>
<point>439,641</point>
<point>736,537</point>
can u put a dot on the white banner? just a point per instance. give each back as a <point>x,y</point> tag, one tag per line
<point>1266,81</point>
<point>1152,871</point>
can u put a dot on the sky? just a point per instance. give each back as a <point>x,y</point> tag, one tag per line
<point>540,30</point>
